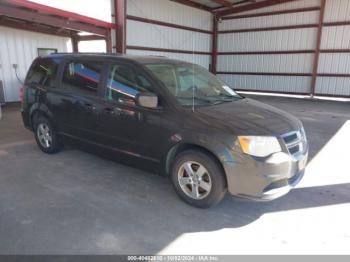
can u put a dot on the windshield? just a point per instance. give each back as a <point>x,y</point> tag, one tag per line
<point>192,84</point>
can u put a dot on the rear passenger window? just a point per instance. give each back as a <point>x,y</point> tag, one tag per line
<point>125,83</point>
<point>43,72</point>
<point>82,77</point>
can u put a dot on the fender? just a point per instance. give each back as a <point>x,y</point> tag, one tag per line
<point>41,108</point>
<point>218,150</point>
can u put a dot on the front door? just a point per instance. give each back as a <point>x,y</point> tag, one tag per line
<point>122,124</point>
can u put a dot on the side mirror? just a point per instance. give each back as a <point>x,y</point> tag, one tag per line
<point>147,100</point>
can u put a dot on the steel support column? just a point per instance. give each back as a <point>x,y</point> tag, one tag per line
<point>75,42</point>
<point>318,48</point>
<point>109,42</point>
<point>120,25</point>
<point>214,51</point>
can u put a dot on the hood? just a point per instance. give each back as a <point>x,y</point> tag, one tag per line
<point>248,117</point>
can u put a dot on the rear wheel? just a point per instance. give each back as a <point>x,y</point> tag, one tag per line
<point>46,136</point>
<point>198,179</point>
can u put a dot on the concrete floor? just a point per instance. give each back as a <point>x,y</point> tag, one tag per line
<point>78,203</point>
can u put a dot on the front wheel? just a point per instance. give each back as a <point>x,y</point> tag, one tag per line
<point>198,179</point>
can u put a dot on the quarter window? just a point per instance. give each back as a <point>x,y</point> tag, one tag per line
<point>43,72</point>
<point>82,77</point>
<point>124,83</point>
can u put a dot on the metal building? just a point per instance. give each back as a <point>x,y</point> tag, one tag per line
<point>276,46</point>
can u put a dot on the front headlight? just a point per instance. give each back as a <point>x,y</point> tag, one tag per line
<point>260,146</point>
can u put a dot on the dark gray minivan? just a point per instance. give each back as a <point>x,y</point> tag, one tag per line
<point>177,115</point>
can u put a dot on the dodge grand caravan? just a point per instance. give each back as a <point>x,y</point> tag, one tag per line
<point>204,136</point>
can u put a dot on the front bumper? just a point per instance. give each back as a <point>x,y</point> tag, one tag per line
<point>264,179</point>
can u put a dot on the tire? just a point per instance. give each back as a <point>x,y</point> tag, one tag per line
<point>46,136</point>
<point>206,187</point>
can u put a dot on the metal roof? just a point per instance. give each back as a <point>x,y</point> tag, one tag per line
<point>226,7</point>
<point>221,3</point>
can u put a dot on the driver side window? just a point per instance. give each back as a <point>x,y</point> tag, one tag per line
<point>124,83</point>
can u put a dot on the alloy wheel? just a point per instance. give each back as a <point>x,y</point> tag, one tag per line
<point>44,135</point>
<point>194,180</point>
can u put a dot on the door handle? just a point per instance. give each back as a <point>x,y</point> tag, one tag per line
<point>108,110</point>
<point>89,106</point>
<point>112,110</point>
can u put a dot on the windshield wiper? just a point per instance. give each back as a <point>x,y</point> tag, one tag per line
<point>214,100</point>
<point>196,98</point>
<point>221,95</point>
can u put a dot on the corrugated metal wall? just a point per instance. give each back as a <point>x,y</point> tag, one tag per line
<point>331,61</point>
<point>157,36</point>
<point>335,37</point>
<point>203,60</point>
<point>241,71</point>
<point>262,41</point>
<point>20,47</point>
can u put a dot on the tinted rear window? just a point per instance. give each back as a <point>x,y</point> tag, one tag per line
<point>82,77</point>
<point>43,72</point>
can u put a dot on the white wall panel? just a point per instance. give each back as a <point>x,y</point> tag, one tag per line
<point>203,60</point>
<point>166,37</point>
<point>337,10</point>
<point>277,40</point>
<point>282,63</point>
<point>294,39</point>
<point>286,6</point>
<point>335,63</point>
<point>339,86</point>
<point>268,83</point>
<point>270,21</point>
<point>336,37</point>
<point>94,46</point>
<point>20,47</point>
<point>171,12</point>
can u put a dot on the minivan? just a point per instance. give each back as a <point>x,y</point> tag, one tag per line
<point>203,135</point>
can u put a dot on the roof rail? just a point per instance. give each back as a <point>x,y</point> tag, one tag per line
<point>158,56</point>
<point>84,53</point>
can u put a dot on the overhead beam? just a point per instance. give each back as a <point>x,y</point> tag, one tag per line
<point>271,13</point>
<point>253,6</point>
<point>90,37</point>
<point>59,12</point>
<point>193,4</point>
<point>49,20</point>
<point>234,4</point>
<point>222,2</point>
<point>22,25</point>
<point>120,25</point>
<point>162,23</point>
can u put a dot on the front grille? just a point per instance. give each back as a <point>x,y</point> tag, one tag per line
<point>290,138</point>
<point>295,142</point>
<point>294,149</point>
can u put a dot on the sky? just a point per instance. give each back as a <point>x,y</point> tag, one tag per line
<point>99,9</point>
